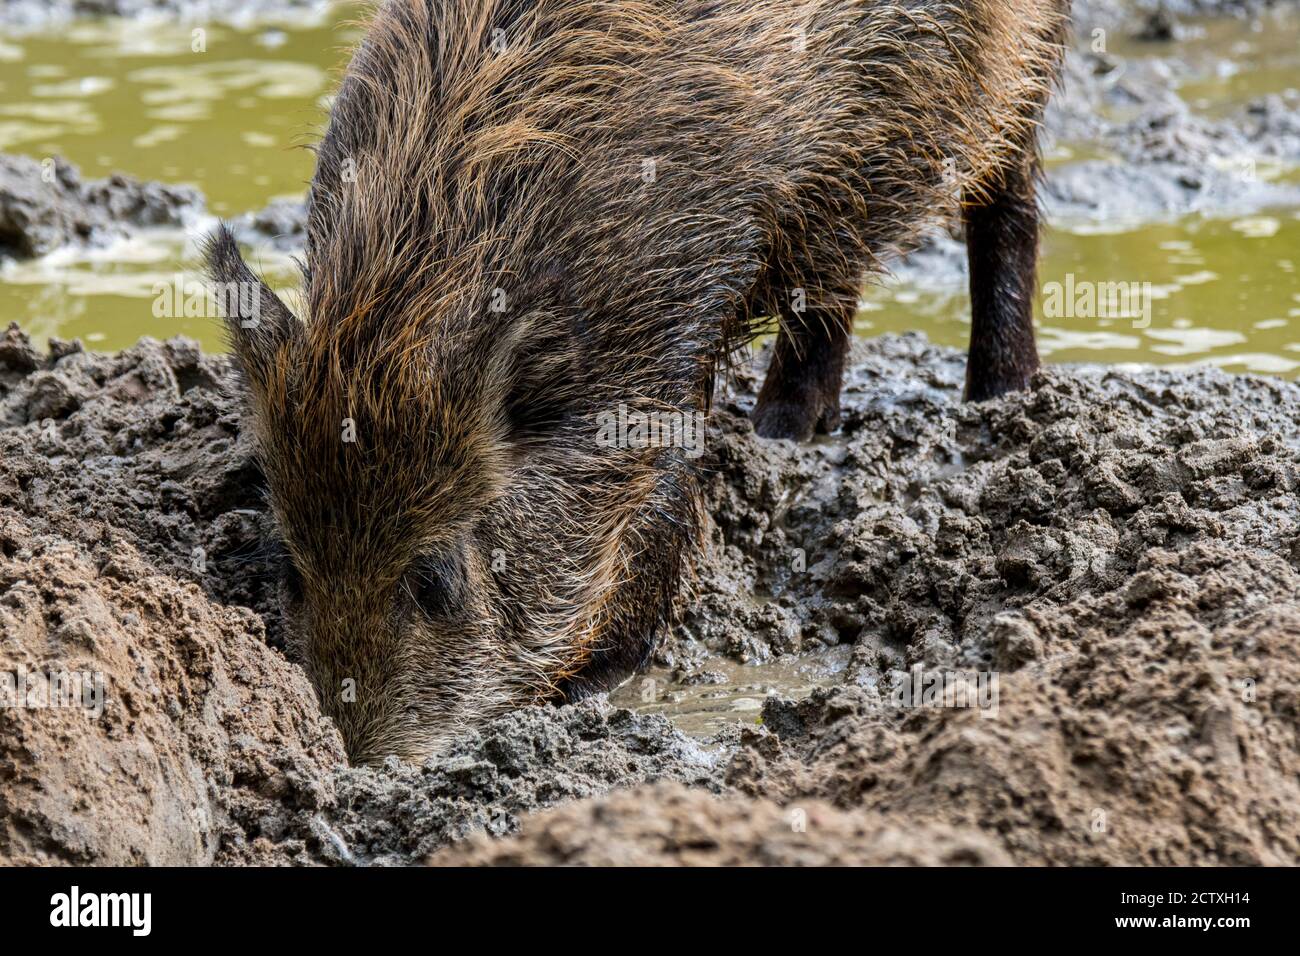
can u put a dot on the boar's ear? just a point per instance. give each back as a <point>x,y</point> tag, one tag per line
<point>257,322</point>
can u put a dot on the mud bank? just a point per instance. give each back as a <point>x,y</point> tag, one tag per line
<point>1155,156</point>
<point>1120,552</point>
<point>45,205</point>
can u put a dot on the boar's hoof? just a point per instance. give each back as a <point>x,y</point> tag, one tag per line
<point>796,421</point>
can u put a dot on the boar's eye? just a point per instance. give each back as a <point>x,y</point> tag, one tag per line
<point>437,583</point>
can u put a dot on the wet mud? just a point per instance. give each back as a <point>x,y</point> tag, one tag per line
<point>1117,551</point>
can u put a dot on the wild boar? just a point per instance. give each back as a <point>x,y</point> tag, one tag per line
<point>532,220</point>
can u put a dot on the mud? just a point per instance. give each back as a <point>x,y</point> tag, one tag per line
<point>1119,549</point>
<point>46,204</point>
<point>668,825</point>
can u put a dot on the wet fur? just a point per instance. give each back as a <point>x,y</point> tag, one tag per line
<point>476,548</point>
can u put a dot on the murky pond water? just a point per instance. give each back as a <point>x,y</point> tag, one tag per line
<point>1223,292</point>
<point>231,119</point>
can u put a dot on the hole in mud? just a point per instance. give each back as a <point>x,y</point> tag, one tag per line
<point>192,377</point>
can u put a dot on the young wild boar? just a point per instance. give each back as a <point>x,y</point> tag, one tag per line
<point>531,218</point>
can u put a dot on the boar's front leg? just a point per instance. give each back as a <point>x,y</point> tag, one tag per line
<point>801,394</point>
<point>1002,247</point>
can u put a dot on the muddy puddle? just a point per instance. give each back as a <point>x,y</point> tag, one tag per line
<point>729,693</point>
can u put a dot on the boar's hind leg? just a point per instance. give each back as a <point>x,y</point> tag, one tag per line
<point>801,393</point>
<point>1002,247</point>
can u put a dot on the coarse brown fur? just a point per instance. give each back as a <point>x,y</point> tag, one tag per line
<point>527,213</point>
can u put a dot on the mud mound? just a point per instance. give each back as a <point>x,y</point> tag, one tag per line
<point>143,723</point>
<point>1164,743</point>
<point>175,734</point>
<point>668,825</point>
<point>926,518</point>
<point>1117,551</point>
<point>1115,554</point>
<point>531,759</point>
<point>146,441</point>
<point>44,205</point>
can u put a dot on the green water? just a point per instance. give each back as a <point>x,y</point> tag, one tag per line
<point>1224,292</point>
<point>232,120</point>
<point>115,95</point>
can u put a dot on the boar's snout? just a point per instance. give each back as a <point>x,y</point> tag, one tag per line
<point>403,669</point>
